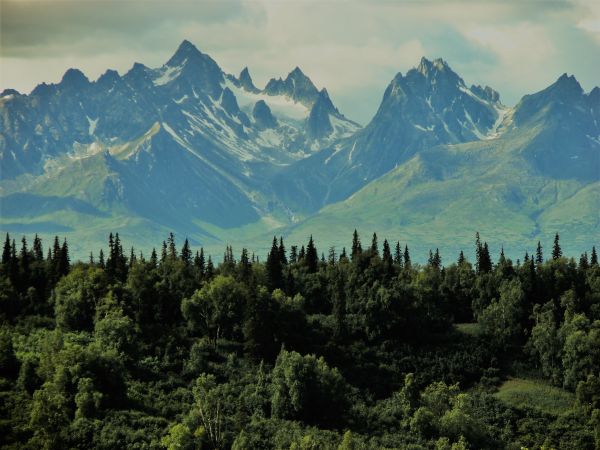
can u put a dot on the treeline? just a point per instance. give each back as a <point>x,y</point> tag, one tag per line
<point>308,349</point>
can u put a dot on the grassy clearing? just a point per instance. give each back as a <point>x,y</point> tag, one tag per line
<point>470,329</point>
<point>519,392</point>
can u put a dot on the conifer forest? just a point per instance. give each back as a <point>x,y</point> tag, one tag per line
<point>311,348</point>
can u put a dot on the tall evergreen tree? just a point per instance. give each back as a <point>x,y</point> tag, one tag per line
<point>199,262</point>
<point>374,245</point>
<point>64,260</point>
<point>387,253</point>
<point>583,261</point>
<point>486,259</point>
<point>38,251</point>
<point>282,252</point>
<point>398,254</point>
<point>172,249</point>
<point>407,262</point>
<point>461,258</point>
<point>132,257</point>
<point>245,267</point>
<point>210,268</point>
<point>6,250</point>
<point>356,247</point>
<point>163,253</point>
<point>343,255</point>
<point>186,253</point>
<point>293,254</point>
<point>437,259</point>
<point>101,262</point>
<point>91,258</point>
<point>312,256</point>
<point>478,250</point>
<point>556,250</point>
<point>594,257</point>
<point>332,257</point>
<point>24,264</point>
<point>539,255</point>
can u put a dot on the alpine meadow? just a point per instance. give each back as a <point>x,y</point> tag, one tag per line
<point>376,250</point>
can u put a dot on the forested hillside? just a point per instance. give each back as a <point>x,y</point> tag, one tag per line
<point>353,348</point>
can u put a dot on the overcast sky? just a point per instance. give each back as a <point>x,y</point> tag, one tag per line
<point>353,48</point>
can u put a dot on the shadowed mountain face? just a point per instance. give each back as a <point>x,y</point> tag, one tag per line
<point>187,146</point>
<point>185,141</point>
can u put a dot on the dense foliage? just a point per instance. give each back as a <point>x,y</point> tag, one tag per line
<point>361,349</point>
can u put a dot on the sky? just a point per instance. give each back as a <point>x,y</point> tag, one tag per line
<point>351,47</point>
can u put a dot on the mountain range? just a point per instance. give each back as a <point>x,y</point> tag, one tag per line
<point>189,148</point>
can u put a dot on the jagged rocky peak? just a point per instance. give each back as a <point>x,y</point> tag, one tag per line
<point>262,115</point>
<point>486,93</point>
<point>74,78</point>
<point>296,86</point>
<point>186,50</point>
<point>319,121</point>
<point>567,84</point>
<point>426,67</point>
<point>229,102</point>
<point>108,78</point>
<point>245,81</point>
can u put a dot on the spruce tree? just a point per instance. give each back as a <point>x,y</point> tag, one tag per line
<point>24,263</point>
<point>398,254</point>
<point>374,245</point>
<point>356,247</point>
<point>556,250</point>
<point>461,258</point>
<point>583,261</point>
<point>132,257</point>
<point>6,250</point>
<point>13,267</point>
<point>302,254</point>
<point>172,253</point>
<point>486,259</point>
<point>332,257</point>
<point>163,253</point>
<point>64,260</point>
<point>312,256</point>
<point>343,256</point>
<point>186,253</point>
<point>594,258</point>
<point>245,267</point>
<point>407,262</point>
<point>282,252</point>
<point>56,250</point>
<point>91,258</point>
<point>201,263</point>
<point>478,250</point>
<point>502,258</point>
<point>293,254</point>
<point>539,255</point>
<point>387,253</point>
<point>38,251</point>
<point>273,267</point>
<point>101,262</point>
<point>210,268</point>
<point>153,258</point>
<point>437,259</point>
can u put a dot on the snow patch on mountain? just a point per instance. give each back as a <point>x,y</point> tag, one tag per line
<point>168,74</point>
<point>280,105</point>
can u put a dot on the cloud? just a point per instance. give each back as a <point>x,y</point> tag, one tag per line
<point>351,47</point>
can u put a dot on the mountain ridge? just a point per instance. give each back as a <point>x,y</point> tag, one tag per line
<point>190,148</point>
